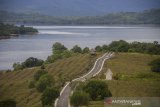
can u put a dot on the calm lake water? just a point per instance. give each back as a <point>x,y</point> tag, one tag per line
<point>20,48</point>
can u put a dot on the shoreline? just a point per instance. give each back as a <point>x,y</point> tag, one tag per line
<point>16,35</point>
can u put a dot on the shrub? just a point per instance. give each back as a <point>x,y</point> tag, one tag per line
<point>8,103</point>
<point>76,49</point>
<point>44,82</point>
<point>42,67</point>
<point>155,65</point>
<point>97,89</point>
<point>32,62</point>
<point>31,84</point>
<point>38,74</point>
<point>86,50</point>
<point>18,66</point>
<point>98,48</point>
<point>79,98</point>
<point>49,95</point>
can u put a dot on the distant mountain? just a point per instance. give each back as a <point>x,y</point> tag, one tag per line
<point>77,7</point>
<point>151,16</point>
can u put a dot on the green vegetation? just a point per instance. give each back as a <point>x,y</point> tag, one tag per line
<point>44,82</point>
<point>79,98</point>
<point>31,84</point>
<point>146,17</point>
<point>28,63</point>
<point>135,78</point>
<point>155,65</point>
<point>123,46</point>
<point>86,50</point>
<point>97,89</point>
<point>15,85</point>
<point>59,51</point>
<point>130,78</point>
<point>38,74</point>
<point>8,103</point>
<point>49,96</point>
<point>7,30</point>
<point>76,49</point>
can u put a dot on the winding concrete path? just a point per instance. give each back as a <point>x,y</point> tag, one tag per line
<point>63,100</point>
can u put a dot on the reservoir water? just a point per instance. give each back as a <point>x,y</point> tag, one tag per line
<point>18,49</point>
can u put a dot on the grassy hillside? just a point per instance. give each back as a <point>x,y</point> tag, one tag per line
<point>14,85</point>
<point>135,78</point>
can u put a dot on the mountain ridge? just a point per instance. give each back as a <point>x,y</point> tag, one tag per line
<point>77,7</point>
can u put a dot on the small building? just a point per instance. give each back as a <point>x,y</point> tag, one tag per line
<point>109,74</point>
<point>93,51</point>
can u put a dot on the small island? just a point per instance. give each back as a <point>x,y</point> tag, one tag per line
<point>7,30</point>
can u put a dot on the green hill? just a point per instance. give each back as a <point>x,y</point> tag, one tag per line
<point>14,85</point>
<point>132,77</point>
<point>135,78</point>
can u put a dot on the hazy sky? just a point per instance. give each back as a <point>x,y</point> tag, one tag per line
<point>78,6</point>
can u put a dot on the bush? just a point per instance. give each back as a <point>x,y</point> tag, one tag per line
<point>44,82</point>
<point>32,62</point>
<point>43,67</point>
<point>38,74</point>
<point>79,98</point>
<point>18,66</point>
<point>76,49</point>
<point>155,65</point>
<point>8,103</point>
<point>86,50</point>
<point>49,96</point>
<point>120,46</point>
<point>58,48</point>
<point>31,84</point>
<point>97,89</point>
<point>98,48</point>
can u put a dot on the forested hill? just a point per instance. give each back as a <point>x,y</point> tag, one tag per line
<point>146,17</point>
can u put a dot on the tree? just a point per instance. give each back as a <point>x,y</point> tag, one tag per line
<point>97,89</point>
<point>98,48</point>
<point>58,48</point>
<point>76,49</point>
<point>79,98</point>
<point>105,48</point>
<point>17,66</point>
<point>155,65</point>
<point>86,50</point>
<point>44,82</point>
<point>120,46</point>
<point>32,62</point>
<point>66,54</point>
<point>38,74</point>
<point>49,95</point>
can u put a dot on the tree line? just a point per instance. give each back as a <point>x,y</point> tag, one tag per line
<point>7,30</point>
<point>151,16</point>
<point>59,51</point>
<point>124,46</point>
